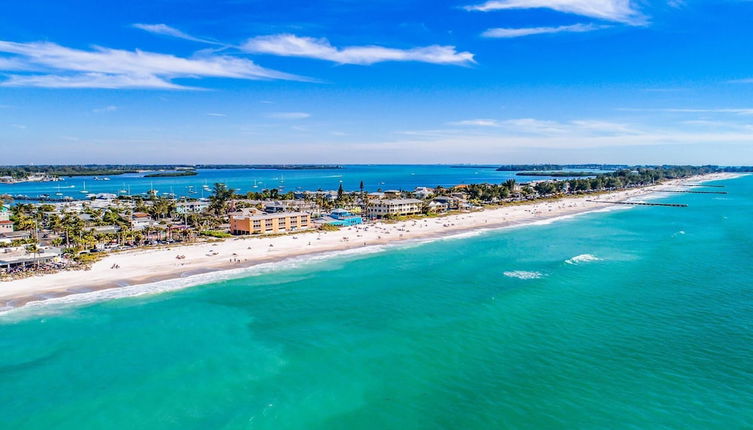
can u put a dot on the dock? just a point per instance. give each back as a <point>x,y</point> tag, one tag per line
<point>692,192</point>
<point>670,205</point>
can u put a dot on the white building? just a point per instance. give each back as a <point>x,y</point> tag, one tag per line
<point>194,207</point>
<point>394,207</point>
<point>6,225</point>
<point>141,220</point>
<point>423,192</point>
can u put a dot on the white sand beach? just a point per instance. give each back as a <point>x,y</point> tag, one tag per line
<point>150,265</point>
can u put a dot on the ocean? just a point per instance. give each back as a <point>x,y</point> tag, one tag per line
<point>636,318</point>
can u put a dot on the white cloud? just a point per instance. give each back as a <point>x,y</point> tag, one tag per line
<point>529,126</point>
<point>477,123</point>
<point>521,32</point>
<point>110,108</point>
<point>19,126</point>
<point>738,111</point>
<point>531,134</point>
<point>90,80</point>
<point>215,114</point>
<point>289,45</point>
<point>166,30</point>
<point>608,10</point>
<point>289,115</point>
<point>64,67</point>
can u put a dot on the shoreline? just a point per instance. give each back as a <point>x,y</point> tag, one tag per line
<point>143,267</point>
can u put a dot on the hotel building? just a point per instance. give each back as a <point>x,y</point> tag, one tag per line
<point>283,222</point>
<point>394,207</point>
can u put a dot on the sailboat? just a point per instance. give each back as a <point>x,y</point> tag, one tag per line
<point>58,193</point>
<point>83,191</point>
<point>152,191</point>
<point>255,185</point>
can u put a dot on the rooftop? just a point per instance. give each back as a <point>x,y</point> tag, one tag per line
<point>272,216</point>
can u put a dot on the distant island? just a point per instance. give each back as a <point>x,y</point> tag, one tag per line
<point>172,174</point>
<point>22,173</point>
<point>471,166</point>
<point>551,167</point>
<point>558,174</point>
<point>596,169</point>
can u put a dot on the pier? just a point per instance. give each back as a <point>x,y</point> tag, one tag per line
<point>692,192</point>
<point>670,205</point>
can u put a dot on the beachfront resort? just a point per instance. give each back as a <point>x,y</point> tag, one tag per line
<point>48,236</point>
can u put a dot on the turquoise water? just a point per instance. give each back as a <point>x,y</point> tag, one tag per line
<point>374,177</point>
<point>650,327</point>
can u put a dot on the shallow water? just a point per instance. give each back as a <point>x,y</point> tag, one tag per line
<point>635,318</point>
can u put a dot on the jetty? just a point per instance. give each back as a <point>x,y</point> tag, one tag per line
<point>700,185</point>
<point>670,205</point>
<point>692,192</point>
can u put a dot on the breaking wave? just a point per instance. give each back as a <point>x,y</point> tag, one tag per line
<point>522,274</point>
<point>583,258</point>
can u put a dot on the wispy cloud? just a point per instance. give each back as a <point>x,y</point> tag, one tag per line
<point>218,115</point>
<point>741,81</point>
<point>51,65</point>
<point>607,10</point>
<point>477,123</point>
<point>290,45</point>
<point>530,31</point>
<point>166,30</point>
<point>525,134</point>
<point>289,115</point>
<point>738,111</point>
<point>110,108</point>
<point>528,126</point>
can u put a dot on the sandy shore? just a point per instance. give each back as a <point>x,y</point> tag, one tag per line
<point>146,266</point>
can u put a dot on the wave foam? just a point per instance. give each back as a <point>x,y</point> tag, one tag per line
<point>583,258</point>
<point>522,274</point>
<point>57,304</point>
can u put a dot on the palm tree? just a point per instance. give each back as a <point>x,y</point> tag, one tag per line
<point>218,200</point>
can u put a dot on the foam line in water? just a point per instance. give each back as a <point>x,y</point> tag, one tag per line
<point>54,305</point>
<point>57,304</point>
<point>523,274</point>
<point>583,258</point>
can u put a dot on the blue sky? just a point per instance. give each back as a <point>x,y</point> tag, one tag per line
<point>383,81</point>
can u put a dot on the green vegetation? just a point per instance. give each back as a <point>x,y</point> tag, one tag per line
<point>531,167</point>
<point>608,167</point>
<point>562,174</point>
<point>24,171</point>
<point>619,179</point>
<point>21,172</point>
<point>172,174</point>
<point>216,234</point>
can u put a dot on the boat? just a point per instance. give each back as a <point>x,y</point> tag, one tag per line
<point>152,191</point>
<point>83,191</point>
